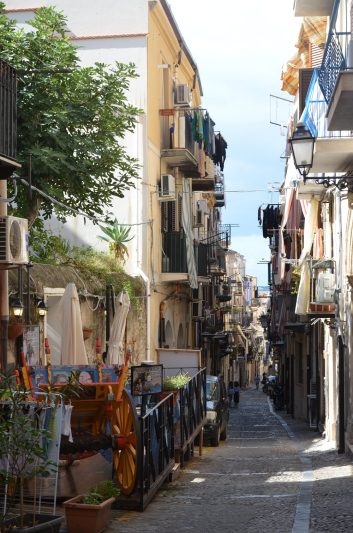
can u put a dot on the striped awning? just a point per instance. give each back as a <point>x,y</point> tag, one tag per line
<point>312,32</point>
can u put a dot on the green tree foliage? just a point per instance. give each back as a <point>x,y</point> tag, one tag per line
<point>71,119</point>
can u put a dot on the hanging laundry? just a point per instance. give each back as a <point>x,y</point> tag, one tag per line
<point>66,422</point>
<point>197,126</point>
<point>220,151</point>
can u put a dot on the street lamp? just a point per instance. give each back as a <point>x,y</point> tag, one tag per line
<point>17,307</point>
<point>42,308</point>
<point>302,144</point>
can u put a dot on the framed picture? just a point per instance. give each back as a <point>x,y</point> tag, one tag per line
<point>39,377</point>
<point>60,375</point>
<point>146,379</point>
<point>109,375</point>
<point>85,375</point>
<point>31,345</point>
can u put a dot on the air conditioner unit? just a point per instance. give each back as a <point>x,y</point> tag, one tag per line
<point>13,240</point>
<point>167,190</point>
<point>182,95</point>
<point>325,287</point>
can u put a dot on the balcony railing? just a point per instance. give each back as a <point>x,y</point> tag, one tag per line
<point>334,60</point>
<point>8,111</point>
<point>174,252</point>
<point>219,194</point>
<point>174,258</point>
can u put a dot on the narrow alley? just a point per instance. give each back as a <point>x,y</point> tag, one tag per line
<point>271,473</point>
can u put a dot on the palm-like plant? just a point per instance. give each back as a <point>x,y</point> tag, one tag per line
<point>116,236</point>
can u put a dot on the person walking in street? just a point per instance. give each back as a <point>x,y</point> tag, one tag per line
<point>236,392</point>
<point>231,393</point>
<point>257,382</point>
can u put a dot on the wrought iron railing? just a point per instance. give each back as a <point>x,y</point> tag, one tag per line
<point>315,110</point>
<point>157,456</point>
<point>174,252</point>
<point>8,111</point>
<point>192,399</point>
<point>334,56</point>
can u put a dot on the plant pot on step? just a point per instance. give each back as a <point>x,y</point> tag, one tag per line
<point>44,523</point>
<point>85,517</point>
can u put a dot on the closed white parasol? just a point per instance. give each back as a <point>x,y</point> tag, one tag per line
<point>68,328</point>
<point>116,341</point>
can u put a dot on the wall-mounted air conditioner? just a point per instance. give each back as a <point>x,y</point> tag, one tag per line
<point>13,240</point>
<point>325,287</point>
<point>167,188</point>
<point>182,95</point>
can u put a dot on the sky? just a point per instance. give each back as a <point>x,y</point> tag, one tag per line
<point>240,48</point>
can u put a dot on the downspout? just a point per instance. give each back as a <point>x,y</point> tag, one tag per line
<point>148,312</point>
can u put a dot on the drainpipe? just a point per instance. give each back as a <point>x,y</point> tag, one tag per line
<point>148,312</point>
<point>4,292</point>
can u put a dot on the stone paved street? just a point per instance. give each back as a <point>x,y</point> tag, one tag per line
<point>271,473</point>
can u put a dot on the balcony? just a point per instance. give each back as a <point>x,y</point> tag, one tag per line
<point>174,263</point>
<point>333,152</point>
<point>323,285</point>
<point>219,195</point>
<point>336,79</point>
<point>174,260</point>
<point>340,109</point>
<point>180,149</point>
<point>8,120</point>
<point>313,8</point>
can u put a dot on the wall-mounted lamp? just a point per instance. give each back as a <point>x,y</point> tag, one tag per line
<point>104,308</point>
<point>17,307</point>
<point>42,308</point>
<point>302,144</point>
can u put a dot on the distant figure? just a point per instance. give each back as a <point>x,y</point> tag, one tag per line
<point>257,382</point>
<point>231,393</point>
<point>236,392</point>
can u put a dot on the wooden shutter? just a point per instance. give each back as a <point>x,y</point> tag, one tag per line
<point>316,55</point>
<point>168,220</point>
<point>305,75</point>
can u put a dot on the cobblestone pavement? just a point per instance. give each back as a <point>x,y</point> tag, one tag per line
<point>271,473</point>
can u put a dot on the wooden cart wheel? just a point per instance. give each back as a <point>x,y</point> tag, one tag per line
<point>126,442</point>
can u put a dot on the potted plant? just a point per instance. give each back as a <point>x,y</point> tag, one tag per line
<point>22,458</point>
<point>91,513</point>
<point>173,384</point>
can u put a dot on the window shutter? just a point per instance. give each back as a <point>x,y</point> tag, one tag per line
<point>305,75</point>
<point>316,54</point>
<point>180,208</point>
<point>168,217</point>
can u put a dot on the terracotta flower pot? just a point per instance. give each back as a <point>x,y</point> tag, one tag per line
<point>15,330</point>
<point>86,517</point>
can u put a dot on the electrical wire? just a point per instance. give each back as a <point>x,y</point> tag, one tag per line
<point>74,210</point>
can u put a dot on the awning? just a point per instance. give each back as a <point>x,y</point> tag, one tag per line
<point>312,31</point>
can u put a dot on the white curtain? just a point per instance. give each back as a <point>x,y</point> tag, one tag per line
<point>68,326</point>
<point>187,226</point>
<point>116,341</point>
<point>303,298</point>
